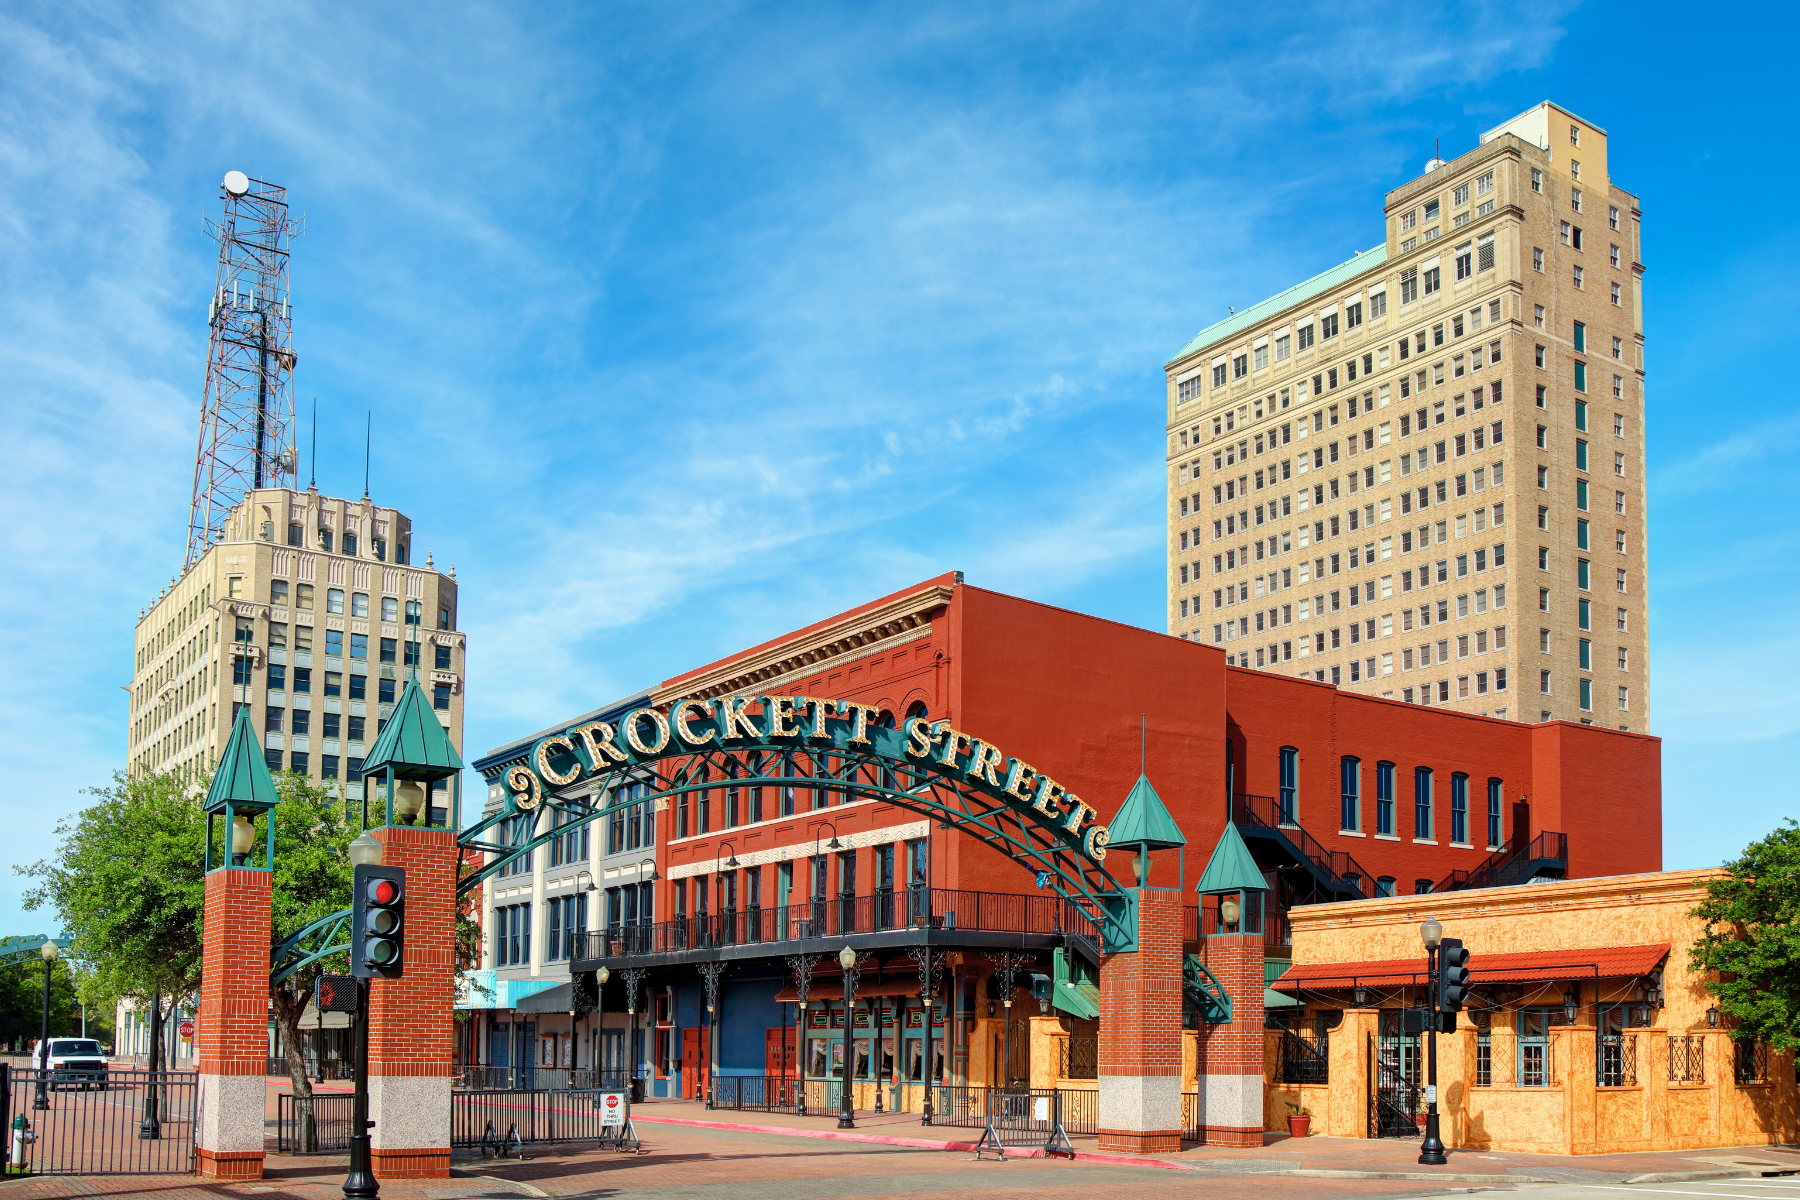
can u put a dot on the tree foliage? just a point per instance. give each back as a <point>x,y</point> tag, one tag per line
<point>1751,940</point>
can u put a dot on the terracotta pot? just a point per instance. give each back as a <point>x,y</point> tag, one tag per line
<point>1298,1125</point>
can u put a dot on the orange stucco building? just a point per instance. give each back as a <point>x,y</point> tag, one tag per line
<point>1587,1034</point>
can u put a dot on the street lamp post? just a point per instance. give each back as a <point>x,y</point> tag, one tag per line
<point>48,950</point>
<point>150,1128</point>
<point>1431,1152</point>
<point>361,1184</point>
<point>600,978</point>
<point>846,1114</point>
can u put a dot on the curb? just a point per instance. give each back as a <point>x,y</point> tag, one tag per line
<point>1694,1176</point>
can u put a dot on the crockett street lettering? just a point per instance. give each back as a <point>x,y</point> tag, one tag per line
<point>693,727</point>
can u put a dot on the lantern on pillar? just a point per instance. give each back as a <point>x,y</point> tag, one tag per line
<point>1232,875</point>
<point>242,790</point>
<point>412,753</point>
<point>1143,823</point>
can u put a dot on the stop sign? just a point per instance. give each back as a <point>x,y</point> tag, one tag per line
<point>185,1029</point>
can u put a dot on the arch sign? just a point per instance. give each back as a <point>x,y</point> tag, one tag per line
<point>700,727</point>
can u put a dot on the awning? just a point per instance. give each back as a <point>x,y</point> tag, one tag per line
<point>1530,966</point>
<point>558,999</point>
<point>833,989</point>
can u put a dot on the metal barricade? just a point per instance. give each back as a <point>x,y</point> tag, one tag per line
<point>92,1121</point>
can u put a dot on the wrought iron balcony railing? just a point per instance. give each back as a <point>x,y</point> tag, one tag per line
<point>840,916</point>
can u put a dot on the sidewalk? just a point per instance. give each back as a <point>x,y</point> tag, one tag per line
<point>1344,1158</point>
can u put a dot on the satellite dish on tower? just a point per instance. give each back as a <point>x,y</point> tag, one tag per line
<point>236,182</point>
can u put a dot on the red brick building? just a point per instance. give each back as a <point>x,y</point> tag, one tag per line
<point>1338,796</point>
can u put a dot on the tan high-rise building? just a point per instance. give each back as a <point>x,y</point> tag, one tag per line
<point>310,610</point>
<point>1420,475</point>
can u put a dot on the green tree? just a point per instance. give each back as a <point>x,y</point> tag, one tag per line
<point>1751,940</point>
<point>127,882</point>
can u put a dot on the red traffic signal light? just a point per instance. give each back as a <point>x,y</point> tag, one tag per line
<point>378,921</point>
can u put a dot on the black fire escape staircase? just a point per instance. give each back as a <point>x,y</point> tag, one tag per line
<point>1332,874</point>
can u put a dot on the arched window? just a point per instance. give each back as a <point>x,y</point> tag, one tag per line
<point>917,709</point>
<point>1352,803</point>
<point>1493,814</point>
<point>1289,797</point>
<point>1459,808</point>
<point>1421,887</point>
<point>1384,798</point>
<point>1422,803</point>
<point>1384,886</point>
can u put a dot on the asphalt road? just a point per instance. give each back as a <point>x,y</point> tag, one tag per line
<point>1784,1187</point>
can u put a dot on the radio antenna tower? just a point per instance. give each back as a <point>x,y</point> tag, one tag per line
<point>247,414</point>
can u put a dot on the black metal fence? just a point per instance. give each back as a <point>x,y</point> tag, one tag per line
<point>92,1121</point>
<point>1615,1060</point>
<point>760,1093</point>
<point>922,908</point>
<point>316,1124</point>
<point>1078,1056</point>
<point>1300,1059</point>
<point>1687,1058</point>
<point>530,1078</point>
<point>492,1117</point>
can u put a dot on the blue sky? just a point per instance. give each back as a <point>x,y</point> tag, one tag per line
<point>683,326</point>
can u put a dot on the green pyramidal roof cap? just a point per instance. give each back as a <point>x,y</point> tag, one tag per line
<point>413,742</point>
<point>1231,869</point>
<point>1143,821</point>
<point>242,777</point>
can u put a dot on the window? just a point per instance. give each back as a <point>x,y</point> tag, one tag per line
<point>1537,180</point>
<point>1537,259</point>
<point>389,649</point>
<point>359,604</point>
<point>1422,803</point>
<point>334,600</point>
<point>1377,305</point>
<point>1484,253</point>
<point>1290,784</point>
<point>440,658</point>
<point>1432,281</point>
<point>1577,278</point>
<point>359,645</point>
<point>415,611</point>
<point>440,697</point>
<point>1459,808</point>
<point>1240,366</point>
<point>1353,315</point>
<point>334,642</point>
<point>1218,376</point>
<point>278,591</point>
<point>1465,264</point>
<point>1328,326</point>
<point>1536,1063</point>
<point>303,595</point>
<point>1261,357</point>
<point>1384,798</point>
<point>1493,813</point>
<point>1352,795</point>
<point>390,609</point>
<point>1409,289</point>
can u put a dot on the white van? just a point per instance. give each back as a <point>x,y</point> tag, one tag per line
<point>74,1061</point>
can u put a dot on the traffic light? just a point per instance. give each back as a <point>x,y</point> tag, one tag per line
<point>1453,975</point>
<point>378,922</point>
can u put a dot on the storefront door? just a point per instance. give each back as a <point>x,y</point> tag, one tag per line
<point>697,1066</point>
<point>778,1052</point>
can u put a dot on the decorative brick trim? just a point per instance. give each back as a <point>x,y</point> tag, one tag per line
<point>1234,1136</point>
<point>1147,1141</point>
<point>231,1164</point>
<point>410,1164</point>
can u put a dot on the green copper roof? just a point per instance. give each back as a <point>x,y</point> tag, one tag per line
<point>1318,285</point>
<point>413,742</point>
<point>242,777</point>
<point>1143,820</point>
<point>1231,869</point>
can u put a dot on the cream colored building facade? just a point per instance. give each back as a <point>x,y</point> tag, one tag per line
<point>306,611</point>
<point>1420,474</point>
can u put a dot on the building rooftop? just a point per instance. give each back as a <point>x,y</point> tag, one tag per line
<point>1326,281</point>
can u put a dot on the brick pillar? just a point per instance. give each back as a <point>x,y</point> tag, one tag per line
<point>1140,1033</point>
<point>233,1033</point>
<point>411,1022</point>
<point>1231,1055</point>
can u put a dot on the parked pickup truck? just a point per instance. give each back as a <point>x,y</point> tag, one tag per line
<point>74,1061</point>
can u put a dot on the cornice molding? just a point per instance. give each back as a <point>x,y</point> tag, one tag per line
<point>903,620</point>
<point>1610,891</point>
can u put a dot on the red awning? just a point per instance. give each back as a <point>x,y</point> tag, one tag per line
<point>1530,966</point>
<point>833,989</point>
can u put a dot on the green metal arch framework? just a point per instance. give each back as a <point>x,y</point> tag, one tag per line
<point>792,742</point>
<point>323,938</point>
